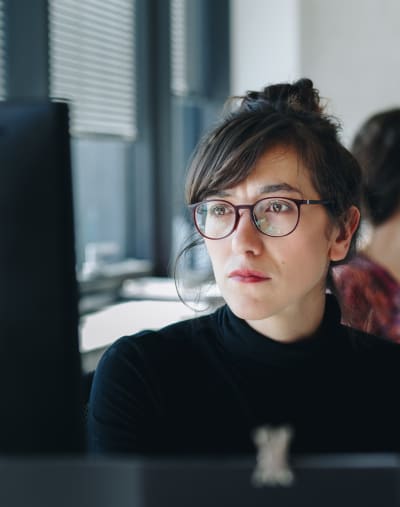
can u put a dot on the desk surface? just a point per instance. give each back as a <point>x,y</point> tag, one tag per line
<point>100,329</point>
<point>152,303</point>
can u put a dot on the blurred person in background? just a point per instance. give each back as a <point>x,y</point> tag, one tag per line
<point>369,285</point>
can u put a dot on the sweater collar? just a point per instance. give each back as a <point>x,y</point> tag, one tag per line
<point>242,340</point>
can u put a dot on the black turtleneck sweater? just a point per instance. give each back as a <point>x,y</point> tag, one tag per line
<point>203,385</point>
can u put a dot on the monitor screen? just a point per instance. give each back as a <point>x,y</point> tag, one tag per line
<point>39,351</point>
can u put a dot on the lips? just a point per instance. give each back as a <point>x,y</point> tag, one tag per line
<point>248,276</point>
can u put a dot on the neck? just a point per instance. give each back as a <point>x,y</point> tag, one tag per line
<point>295,323</point>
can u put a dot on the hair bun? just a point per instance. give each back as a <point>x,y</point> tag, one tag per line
<point>300,96</point>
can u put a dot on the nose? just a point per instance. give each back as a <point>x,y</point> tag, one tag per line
<point>246,239</point>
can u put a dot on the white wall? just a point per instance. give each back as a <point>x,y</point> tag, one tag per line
<point>264,43</point>
<point>349,48</point>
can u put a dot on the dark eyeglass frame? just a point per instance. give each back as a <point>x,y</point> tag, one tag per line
<point>250,207</point>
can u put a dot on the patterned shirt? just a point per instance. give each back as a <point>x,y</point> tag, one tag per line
<point>369,297</point>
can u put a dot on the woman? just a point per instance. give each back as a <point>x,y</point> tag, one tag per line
<point>370,284</point>
<point>274,196</point>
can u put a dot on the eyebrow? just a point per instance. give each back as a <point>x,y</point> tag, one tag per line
<point>266,189</point>
<point>277,187</point>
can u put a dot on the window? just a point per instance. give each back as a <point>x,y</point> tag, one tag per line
<point>92,64</point>
<point>199,86</point>
<point>144,79</point>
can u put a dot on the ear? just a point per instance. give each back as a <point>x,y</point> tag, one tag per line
<point>343,233</point>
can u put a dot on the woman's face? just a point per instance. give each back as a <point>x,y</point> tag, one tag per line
<point>284,277</point>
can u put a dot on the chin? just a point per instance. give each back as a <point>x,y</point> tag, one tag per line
<point>249,310</point>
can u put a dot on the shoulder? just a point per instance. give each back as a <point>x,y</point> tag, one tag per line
<point>357,271</point>
<point>363,273</point>
<point>356,340</point>
<point>180,333</point>
<point>374,375</point>
<point>142,365</point>
<point>144,379</point>
<point>373,348</point>
<point>366,293</point>
<point>155,347</point>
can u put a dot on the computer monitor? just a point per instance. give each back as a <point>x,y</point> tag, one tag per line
<point>40,376</point>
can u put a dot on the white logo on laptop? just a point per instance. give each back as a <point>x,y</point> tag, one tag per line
<point>272,468</point>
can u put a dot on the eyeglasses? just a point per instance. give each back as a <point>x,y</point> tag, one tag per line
<point>273,216</point>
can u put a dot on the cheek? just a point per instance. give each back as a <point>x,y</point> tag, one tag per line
<point>219,253</point>
<point>316,238</point>
<point>305,254</point>
<point>216,251</point>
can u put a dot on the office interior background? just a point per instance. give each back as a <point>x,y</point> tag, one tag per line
<point>145,79</point>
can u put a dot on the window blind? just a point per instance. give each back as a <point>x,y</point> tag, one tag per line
<point>2,53</point>
<point>92,64</point>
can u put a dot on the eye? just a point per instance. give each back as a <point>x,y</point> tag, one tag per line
<point>278,206</point>
<point>220,209</point>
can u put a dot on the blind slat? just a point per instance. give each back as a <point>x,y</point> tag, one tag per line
<point>112,92</point>
<point>68,54</point>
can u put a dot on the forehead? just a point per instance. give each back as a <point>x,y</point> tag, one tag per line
<point>279,168</point>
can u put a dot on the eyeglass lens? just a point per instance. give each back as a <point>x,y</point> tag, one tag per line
<point>272,216</point>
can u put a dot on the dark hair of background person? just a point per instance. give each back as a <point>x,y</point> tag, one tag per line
<point>376,146</point>
<point>287,115</point>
